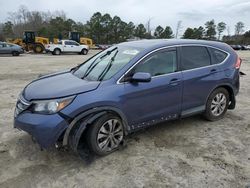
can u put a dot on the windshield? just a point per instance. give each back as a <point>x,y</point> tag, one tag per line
<point>107,63</point>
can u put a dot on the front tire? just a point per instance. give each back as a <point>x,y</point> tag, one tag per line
<point>56,51</point>
<point>38,48</point>
<point>217,104</point>
<point>105,135</point>
<point>84,52</point>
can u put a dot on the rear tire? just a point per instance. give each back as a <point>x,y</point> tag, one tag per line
<point>84,52</point>
<point>217,104</point>
<point>56,51</point>
<point>105,135</point>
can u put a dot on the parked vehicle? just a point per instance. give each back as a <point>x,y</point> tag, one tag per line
<point>7,48</point>
<point>247,47</point>
<point>31,42</point>
<point>82,40</point>
<point>67,46</point>
<point>127,87</point>
<point>236,47</point>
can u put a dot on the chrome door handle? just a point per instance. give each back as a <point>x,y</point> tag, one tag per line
<point>174,81</point>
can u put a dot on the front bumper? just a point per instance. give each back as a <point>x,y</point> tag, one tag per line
<point>46,129</point>
<point>47,50</point>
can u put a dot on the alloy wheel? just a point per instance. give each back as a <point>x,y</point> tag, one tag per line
<point>110,135</point>
<point>218,104</point>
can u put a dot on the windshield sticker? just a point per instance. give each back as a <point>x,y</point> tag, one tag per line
<point>130,52</point>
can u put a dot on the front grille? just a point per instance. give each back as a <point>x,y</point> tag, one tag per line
<point>21,105</point>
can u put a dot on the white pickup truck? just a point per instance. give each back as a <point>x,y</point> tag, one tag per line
<point>67,46</point>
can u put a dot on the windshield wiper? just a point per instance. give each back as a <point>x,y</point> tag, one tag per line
<point>107,68</point>
<point>94,63</point>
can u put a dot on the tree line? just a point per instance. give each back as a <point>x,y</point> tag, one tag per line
<point>105,29</point>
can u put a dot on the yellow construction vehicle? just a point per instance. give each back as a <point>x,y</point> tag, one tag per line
<point>82,40</point>
<point>31,42</point>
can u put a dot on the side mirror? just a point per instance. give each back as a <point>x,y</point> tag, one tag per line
<point>141,77</point>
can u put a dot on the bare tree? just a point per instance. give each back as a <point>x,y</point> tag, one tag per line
<point>239,28</point>
<point>228,31</point>
<point>220,28</point>
<point>148,27</point>
<point>178,28</point>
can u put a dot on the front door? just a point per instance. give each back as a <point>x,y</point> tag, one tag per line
<point>159,99</point>
<point>69,46</point>
<point>3,48</point>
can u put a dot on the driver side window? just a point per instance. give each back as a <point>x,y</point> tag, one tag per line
<point>160,63</point>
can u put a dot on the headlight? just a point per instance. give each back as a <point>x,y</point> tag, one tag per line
<point>51,106</point>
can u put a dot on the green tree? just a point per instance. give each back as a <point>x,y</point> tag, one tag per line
<point>117,24</point>
<point>210,30</point>
<point>8,29</point>
<point>94,27</point>
<point>195,33</point>
<point>140,31</point>
<point>168,33</point>
<point>130,30</point>
<point>188,34</point>
<point>220,29</point>
<point>158,32</point>
<point>199,32</point>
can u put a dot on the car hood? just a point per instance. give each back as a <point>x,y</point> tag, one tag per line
<point>57,85</point>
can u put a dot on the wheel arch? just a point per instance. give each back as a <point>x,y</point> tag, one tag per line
<point>81,122</point>
<point>56,48</point>
<point>230,92</point>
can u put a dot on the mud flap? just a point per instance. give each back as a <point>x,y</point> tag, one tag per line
<point>232,103</point>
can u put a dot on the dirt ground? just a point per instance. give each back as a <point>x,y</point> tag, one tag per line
<point>186,153</point>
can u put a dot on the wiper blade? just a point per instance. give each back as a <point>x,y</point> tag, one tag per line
<point>107,68</point>
<point>93,65</point>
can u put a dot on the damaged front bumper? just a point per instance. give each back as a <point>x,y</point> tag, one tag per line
<point>45,129</point>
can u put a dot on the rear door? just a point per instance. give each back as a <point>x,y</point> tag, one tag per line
<point>159,99</point>
<point>76,46</point>
<point>199,78</point>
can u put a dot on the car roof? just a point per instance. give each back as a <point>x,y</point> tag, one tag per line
<point>157,43</point>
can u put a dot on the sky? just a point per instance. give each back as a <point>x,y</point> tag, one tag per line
<point>192,13</point>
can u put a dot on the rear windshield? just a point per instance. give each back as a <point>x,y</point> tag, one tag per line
<point>107,63</point>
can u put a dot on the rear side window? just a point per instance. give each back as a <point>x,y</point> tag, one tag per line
<point>195,57</point>
<point>218,55</point>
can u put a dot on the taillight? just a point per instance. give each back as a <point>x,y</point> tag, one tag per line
<point>238,63</point>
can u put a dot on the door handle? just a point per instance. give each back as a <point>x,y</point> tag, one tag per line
<point>174,81</point>
<point>213,70</point>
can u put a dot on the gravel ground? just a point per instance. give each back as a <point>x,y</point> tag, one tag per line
<point>186,153</point>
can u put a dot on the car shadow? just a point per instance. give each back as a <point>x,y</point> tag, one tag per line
<point>26,148</point>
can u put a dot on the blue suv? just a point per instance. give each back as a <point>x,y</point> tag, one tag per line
<point>127,87</point>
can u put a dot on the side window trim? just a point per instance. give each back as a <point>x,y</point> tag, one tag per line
<point>178,48</point>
